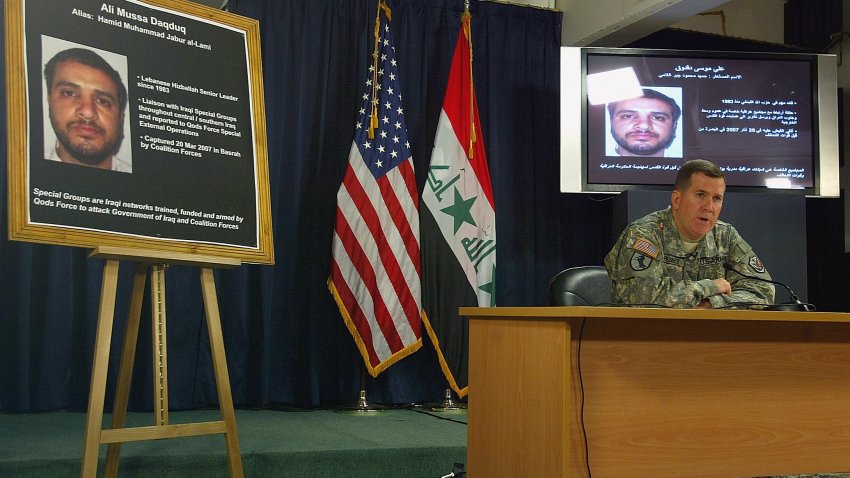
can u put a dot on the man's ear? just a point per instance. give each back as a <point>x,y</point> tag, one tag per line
<point>675,199</point>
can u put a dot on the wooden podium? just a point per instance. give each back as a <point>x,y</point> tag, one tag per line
<point>558,391</point>
<point>155,264</point>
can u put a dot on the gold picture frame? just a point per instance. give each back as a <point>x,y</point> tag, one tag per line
<point>194,126</point>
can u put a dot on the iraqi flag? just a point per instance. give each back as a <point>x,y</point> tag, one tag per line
<point>458,221</point>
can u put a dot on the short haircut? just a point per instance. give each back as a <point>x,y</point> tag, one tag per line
<point>655,95</point>
<point>91,59</point>
<point>686,172</point>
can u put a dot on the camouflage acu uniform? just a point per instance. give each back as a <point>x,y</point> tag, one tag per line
<point>650,266</point>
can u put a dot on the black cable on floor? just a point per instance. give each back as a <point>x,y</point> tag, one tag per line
<point>440,415</point>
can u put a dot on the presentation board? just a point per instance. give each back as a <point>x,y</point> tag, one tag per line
<point>137,124</point>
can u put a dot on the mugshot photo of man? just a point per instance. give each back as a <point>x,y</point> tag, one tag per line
<point>86,103</point>
<point>644,126</point>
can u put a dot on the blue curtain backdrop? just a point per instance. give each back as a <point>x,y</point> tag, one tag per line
<point>285,340</point>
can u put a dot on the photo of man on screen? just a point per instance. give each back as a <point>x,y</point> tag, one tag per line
<point>86,101</point>
<point>644,126</point>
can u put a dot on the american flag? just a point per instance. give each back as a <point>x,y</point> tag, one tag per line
<point>375,273</point>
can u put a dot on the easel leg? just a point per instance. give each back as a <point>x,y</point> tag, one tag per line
<point>158,339</point>
<point>125,374</point>
<point>234,458</point>
<point>100,366</point>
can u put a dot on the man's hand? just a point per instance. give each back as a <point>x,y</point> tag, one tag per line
<point>723,286</point>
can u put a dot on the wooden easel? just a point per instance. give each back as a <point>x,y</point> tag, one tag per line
<point>155,263</point>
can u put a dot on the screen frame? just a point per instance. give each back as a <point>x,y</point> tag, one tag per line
<point>573,116</point>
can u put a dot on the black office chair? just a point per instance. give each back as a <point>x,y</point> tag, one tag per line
<point>583,285</point>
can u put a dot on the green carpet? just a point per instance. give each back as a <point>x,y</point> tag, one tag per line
<point>400,443</point>
<point>393,443</point>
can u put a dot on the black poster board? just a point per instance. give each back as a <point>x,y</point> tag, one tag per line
<point>179,165</point>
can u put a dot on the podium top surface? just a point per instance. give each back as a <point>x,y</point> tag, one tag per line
<point>587,312</point>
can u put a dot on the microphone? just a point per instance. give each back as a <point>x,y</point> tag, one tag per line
<point>794,305</point>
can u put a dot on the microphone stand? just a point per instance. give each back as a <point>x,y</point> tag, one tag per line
<point>795,305</point>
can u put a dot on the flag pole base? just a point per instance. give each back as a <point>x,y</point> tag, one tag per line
<point>363,406</point>
<point>448,404</point>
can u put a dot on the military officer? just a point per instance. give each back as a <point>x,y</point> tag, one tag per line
<point>677,257</point>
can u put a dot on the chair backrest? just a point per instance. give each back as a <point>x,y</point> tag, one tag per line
<point>583,285</point>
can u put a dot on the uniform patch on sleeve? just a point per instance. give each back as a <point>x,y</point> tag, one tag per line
<point>640,261</point>
<point>645,247</point>
<point>756,264</point>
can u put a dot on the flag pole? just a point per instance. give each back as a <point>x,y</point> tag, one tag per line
<point>363,405</point>
<point>373,115</point>
<point>448,404</point>
<point>448,165</point>
<point>466,24</point>
<point>378,219</point>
